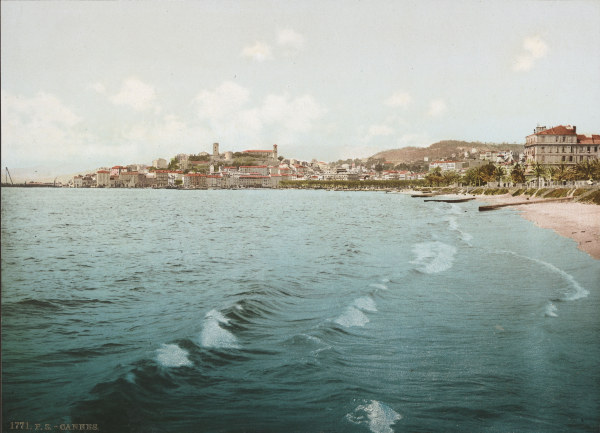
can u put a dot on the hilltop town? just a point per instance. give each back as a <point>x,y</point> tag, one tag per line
<point>550,156</point>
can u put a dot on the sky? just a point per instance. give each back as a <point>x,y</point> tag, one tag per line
<point>92,84</point>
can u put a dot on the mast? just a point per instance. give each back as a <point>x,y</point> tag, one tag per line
<point>8,176</point>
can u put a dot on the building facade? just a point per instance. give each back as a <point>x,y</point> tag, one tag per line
<point>560,145</point>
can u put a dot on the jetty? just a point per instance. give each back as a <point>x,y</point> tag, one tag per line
<point>452,200</point>
<point>519,203</point>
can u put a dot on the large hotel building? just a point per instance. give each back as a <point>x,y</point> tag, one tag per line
<point>560,145</point>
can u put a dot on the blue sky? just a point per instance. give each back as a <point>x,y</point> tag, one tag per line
<point>89,84</point>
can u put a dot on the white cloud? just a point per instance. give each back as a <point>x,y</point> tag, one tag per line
<point>136,94</point>
<point>289,38</point>
<point>380,130</point>
<point>258,52</point>
<point>229,116</point>
<point>399,99</point>
<point>437,107</point>
<point>41,129</point>
<point>535,48</point>
<point>224,101</point>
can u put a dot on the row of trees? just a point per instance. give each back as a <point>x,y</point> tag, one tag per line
<point>585,170</point>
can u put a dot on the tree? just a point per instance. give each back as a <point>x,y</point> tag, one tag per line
<point>517,174</point>
<point>499,173</point>
<point>173,165</point>
<point>486,173</point>
<point>586,170</point>
<point>471,177</point>
<point>539,171</point>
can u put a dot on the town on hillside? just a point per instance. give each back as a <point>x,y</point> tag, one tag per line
<point>550,156</point>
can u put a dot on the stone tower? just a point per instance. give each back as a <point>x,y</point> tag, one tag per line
<point>215,149</point>
<point>274,151</point>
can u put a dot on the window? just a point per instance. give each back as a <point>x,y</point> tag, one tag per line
<point>571,158</point>
<point>563,158</point>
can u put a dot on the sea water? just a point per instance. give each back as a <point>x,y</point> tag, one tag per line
<point>292,311</point>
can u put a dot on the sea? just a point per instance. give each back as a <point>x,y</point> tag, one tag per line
<point>182,311</point>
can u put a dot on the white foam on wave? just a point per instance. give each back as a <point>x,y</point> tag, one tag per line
<point>551,310</point>
<point>378,416</point>
<point>365,303</point>
<point>213,335</point>
<point>171,355</point>
<point>579,291</point>
<point>352,317</point>
<point>433,257</point>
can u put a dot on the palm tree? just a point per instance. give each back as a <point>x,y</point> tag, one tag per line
<point>585,170</point>
<point>539,172</point>
<point>517,174</point>
<point>499,173</point>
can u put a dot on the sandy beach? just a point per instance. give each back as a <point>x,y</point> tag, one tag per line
<point>578,221</point>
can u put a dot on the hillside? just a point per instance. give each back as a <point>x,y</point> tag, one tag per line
<point>446,149</point>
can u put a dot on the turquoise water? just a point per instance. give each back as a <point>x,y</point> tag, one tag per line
<point>292,311</point>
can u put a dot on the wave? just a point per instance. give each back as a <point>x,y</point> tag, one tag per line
<point>378,416</point>
<point>352,317</point>
<point>551,310</point>
<point>171,355</point>
<point>579,291</point>
<point>433,257</point>
<point>213,335</point>
<point>365,303</point>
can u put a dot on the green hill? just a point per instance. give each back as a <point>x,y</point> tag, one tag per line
<point>446,149</point>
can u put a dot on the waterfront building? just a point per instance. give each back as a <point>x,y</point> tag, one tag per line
<point>116,170</point>
<point>162,178</point>
<point>560,145</point>
<point>132,179</point>
<point>103,178</point>
<point>194,180</point>
<point>255,169</point>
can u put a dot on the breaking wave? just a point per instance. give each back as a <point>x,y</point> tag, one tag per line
<point>433,257</point>
<point>171,355</point>
<point>352,317</point>
<point>213,335</point>
<point>551,310</point>
<point>378,416</point>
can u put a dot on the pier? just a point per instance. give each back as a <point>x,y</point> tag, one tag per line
<point>519,203</point>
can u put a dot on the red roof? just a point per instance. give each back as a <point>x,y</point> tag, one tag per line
<point>585,139</point>
<point>103,171</point>
<point>558,130</point>
<point>253,166</point>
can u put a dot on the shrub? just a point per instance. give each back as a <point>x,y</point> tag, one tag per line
<point>557,193</point>
<point>593,197</point>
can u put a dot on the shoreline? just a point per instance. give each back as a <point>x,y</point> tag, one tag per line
<point>574,220</point>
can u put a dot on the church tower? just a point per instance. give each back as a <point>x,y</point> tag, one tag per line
<point>215,149</point>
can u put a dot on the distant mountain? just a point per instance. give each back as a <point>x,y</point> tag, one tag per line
<point>446,149</point>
